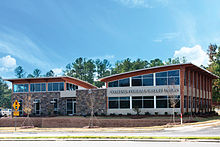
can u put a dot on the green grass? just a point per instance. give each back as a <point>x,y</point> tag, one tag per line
<point>111,137</point>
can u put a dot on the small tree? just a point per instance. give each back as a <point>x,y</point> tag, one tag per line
<point>137,110</point>
<point>27,108</point>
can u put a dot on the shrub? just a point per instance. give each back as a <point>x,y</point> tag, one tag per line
<point>156,113</point>
<point>129,114</point>
<point>165,113</point>
<point>147,113</point>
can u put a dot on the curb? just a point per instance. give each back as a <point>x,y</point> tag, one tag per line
<point>138,140</point>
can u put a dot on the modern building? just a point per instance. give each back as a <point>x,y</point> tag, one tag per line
<point>48,95</point>
<point>157,90</point>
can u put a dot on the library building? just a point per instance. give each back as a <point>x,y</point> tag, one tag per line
<point>182,88</point>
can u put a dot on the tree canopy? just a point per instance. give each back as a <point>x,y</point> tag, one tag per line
<point>214,66</point>
<point>5,95</point>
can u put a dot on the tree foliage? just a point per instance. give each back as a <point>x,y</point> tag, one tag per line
<point>19,72</point>
<point>5,95</point>
<point>214,66</point>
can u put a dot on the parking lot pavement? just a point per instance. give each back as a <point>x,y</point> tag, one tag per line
<point>203,129</point>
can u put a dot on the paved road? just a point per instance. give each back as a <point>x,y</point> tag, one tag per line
<point>104,143</point>
<point>208,129</point>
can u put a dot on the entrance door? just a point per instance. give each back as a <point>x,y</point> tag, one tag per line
<point>37,106</point>
<point>71,106</point>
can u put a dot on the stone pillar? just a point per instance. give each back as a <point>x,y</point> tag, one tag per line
<point>182,72</point>
<point>187,90</point>
<point>191,85</point>
<point>196,87</point>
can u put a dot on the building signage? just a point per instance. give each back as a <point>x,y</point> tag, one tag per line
<point>152,91</point>
<point>143,91</point>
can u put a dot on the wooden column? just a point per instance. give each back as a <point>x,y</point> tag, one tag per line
<point>208,91</point>
<point>211,93</point>
<point>182,73</point>
<point>106,85</point>
<point>202,80</point>
<point>196,87</point>
<point>205,89</point>
<point>187,90</point>
<point>199,86</point>
<point>191,85</point>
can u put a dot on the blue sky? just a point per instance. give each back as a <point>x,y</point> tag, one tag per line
<point>49,34</point>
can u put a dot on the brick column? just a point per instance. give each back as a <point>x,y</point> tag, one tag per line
<point>208,91</point>
<point>202,80</point>
<point>182,72</point>
<point>191,85</point>
<point>106,85</point>
<point>196,87</point>
<point>187,91</point>
<point>211,94</point>
<point>199,86</point>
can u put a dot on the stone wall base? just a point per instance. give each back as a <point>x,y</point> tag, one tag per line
<point>79,122</point>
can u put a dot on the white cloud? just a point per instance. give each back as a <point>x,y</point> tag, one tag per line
<point>7,63</point>
<point>58,71</point>
<point>24,48</point>
<point>195,55</point>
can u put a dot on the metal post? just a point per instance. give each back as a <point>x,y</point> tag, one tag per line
<point>15,123</point>
<point>181,119</point>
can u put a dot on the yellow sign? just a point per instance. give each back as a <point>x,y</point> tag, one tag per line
<point>16,113</point>
<point>16,105</point>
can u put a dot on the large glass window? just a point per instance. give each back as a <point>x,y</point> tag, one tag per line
<point>168,78</point>
<point>148,102</point>
<point>120,83</point>
<point>137,102</point>
<point>71,87</point>
<point>137,81</point>
<point>20,88</point>
<point>124,82</point>
<point>119,102</point>
<point>144,80</point>
<point>161,101</point>
<point>38,87</point>
<point>148,80</point>
<point>56,86</point>
<point>113,84</point>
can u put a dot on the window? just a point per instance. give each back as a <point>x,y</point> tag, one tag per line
<point>38,87</point>
<point>120,83</point>
<point>148,102</point>
<point>56,86</point>
<point>137,81</point>
<point>148,80</point>
<point>124,102</point>
<point>124,82</point>
<point>55,106</point>
<point>161,101</point>
<point>119,102</point>
<point>71,87</point>
<point>137,102</point>
<point>113,102</point>
<point>168,78</point>
<point>161,78</point>
<point>20,88</point>
<point>185,98</point>
<point>113,84</point>
<point>145,80</point>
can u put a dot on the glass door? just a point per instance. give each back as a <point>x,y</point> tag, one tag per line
<point>71,106</point>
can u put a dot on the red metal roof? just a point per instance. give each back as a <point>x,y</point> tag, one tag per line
<point>157,69</point>
<point>54,79</point>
